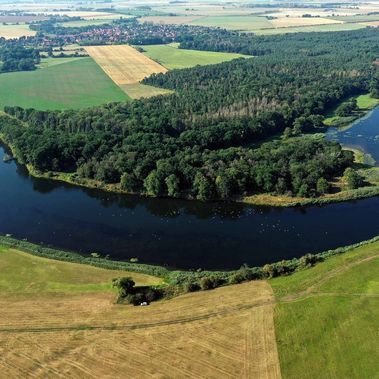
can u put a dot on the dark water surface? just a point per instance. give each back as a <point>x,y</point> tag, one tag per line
<point>176,233</point>
<point>363,134</point>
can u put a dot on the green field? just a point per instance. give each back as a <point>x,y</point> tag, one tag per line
<point>234,22</point>
<point>95,21</point>
<point>171,57</point>
<point>314,28</point>
<point>22,273</point>
<point>358,18</point>
<point>327,318</point>
<point>76,83</point>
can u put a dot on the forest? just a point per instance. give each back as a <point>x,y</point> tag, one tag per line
<point>204,140</point>
<point>15,57</point>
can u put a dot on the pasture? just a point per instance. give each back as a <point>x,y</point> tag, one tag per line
<point>171,57</point>
<point>176,20</point>
<point>126,67</point>
<point>312,28</point>
<point>77,331</point>
<point>247,23</point>
<point>327,317</point>
<point>70,83</point>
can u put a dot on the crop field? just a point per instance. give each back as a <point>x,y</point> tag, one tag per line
<point>126,67</point>
<point>82,14</point>
<point>235,22</point>
<point>359,18</point>
<point>327,318</point>
<point>15,31</point>
<point>177,20</point>
<point>171,57</point>
<point>80,82</point>
<point>59,319</point>
<point>312,28</point>
<point>21,19</point>
<point>285,22</point>
<point>86,22</point>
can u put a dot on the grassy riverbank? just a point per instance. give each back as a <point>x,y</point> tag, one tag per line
<point>365,103</point>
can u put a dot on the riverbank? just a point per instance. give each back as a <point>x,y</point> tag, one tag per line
<point>365,104</point>
<point>338,194</point>
<point>183,278</point>
<point>372,188</point>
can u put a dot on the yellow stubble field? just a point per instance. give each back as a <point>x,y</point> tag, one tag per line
<point>127,67</point>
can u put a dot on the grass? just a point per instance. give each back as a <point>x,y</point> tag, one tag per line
<point>358,18</point>
<point>174,58</point>
<point>89,22</point>
<point>326,320</point>
<point>74,83</point>
<point>23,273</point>
<point>247,23</point>
<point>313,28</point>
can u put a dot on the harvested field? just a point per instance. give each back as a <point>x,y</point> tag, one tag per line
<point>285,22</point>
<point>125,66</point>
<point>374,24</point>
<point>15,31</point>
<point>225,333</point>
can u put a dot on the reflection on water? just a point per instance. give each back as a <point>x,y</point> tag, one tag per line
<point>177,233</point>
<point>362,134</point>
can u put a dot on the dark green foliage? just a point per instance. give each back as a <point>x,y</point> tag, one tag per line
<point>15,57</point>
<point>347,108</point>
<point>322,186</point>
<point>352,178</point>
<point>201,141</point>
<point>124,285</point>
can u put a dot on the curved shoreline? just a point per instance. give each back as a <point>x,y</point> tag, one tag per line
<point>180,277</point>
<point>255,200</point>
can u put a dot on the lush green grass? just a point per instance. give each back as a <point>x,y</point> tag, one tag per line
<point>234,22</point>
<point>300,281</point>
<point>24,273</point>
<point>327,325</point>
<point>171,57</point>
<point>89,22</point>
<point>358,18</point>
<point>76,83</point>
<point>365,102</point>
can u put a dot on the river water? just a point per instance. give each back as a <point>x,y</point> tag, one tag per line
<point>178,233</point>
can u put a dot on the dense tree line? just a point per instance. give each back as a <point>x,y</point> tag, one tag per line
<point>202,141</point>
<point>15,57</point>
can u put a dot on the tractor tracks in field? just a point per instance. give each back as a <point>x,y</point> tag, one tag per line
<point>184,320</point>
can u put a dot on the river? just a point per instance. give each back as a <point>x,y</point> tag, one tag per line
<point>178,233</point>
